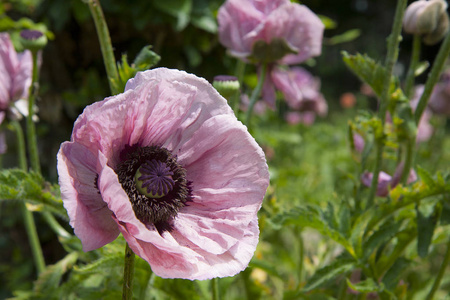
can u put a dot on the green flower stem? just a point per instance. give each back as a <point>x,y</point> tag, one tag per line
<point>256,93</point>
<point>433,77</point>
<point>441,273</point>
<point>55,226</point>
<point>409,159</point>
<point>391,59</point>
<point>128,274</point>
<point>415,56</point>
<point>27,215</point>
<point>105,44</point>
<point>215,289</point>
<point>31,129</point>
<point>21,152</point>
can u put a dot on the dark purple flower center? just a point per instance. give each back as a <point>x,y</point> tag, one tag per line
<point>154,179</point>
<point>31,34</point>
<point>155,183</point>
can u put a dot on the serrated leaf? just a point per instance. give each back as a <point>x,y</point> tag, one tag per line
<point>344,220</point>
<point>16,184</point>
<point>49,280</point>
<point>425,230</point>
<point>381,236</point>
<point>321,276</point>
<point>392,276</point>
<point>368,70</point>
<point>104,263</point>
<point>426,177</point>
<point>312,217</point>
<point>365,286</point>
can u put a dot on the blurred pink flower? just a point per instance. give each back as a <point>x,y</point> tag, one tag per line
<point>424,129</point>
<point>15,78</point>
<point>301,91</point>
<point>440,97</point>
<point>359,142</point>
<point>169,166</point>
<point>387,182</point>
<point>15,73</point>
<point>242,23</point>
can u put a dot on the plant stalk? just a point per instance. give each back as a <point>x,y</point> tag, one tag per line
<point>31,128</point>
<point>27,215</point>
<point>256,93</point>
<point>105,44</point>
<point>441,273</point>
<point>391,58</point>
<point>415,56</point>
<point>215,289</point>
<point>128,274</point>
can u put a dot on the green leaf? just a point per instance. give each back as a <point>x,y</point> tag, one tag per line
<point>426,177</point>
<point>392,276</point>
<point>381,236</point>
<point>49,280</point>
<point>345,37</point>
<point>16,184</point>
<point>338,267</point>
<point>365,286</point>
<point>264,265</point>
<point>146,59</point>
<point>369,71</point>
<point>328,22</point>
<point>313,217</point>
<point>104,263</point>
<point>425,230</point>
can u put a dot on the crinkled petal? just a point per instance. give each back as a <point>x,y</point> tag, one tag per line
<point>23,76</point>
<point>88,213</point>
<point>237,19</point>
<point>192,262</point>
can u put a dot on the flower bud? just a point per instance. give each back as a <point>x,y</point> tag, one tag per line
<point>33,40</point>
<point>428,19</point>
<point>227,86</point>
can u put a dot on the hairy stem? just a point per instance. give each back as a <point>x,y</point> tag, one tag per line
<point>128,274</point>
<point>441,273</point>
<point>31,129</point>
<point>105,44</point>
<point>215,289</point>
<point>415,56</point>
<point>256,93</point>
<point>391,59</point>
<point>27,215</point>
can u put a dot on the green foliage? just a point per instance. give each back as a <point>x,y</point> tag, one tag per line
<point>323,275</point>
<point>16,184</point>
<point>324,221</point>
<point>369,71</point>
<point>145,60</point>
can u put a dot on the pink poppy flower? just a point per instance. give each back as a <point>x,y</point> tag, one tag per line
<point>293,31</point>
<point>15,73</point>
<point>387,182</point>
<point>15,78</point>
<point>167,164</point>
<point>301,91</point>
